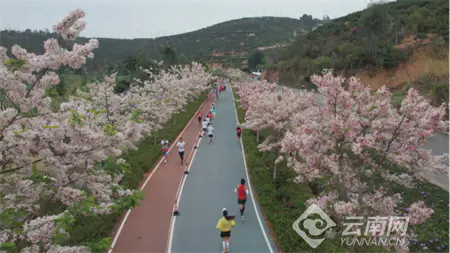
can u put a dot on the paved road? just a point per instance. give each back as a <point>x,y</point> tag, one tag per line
<point>146,227</point>
<point>438,144</point>
<point>216,170</point>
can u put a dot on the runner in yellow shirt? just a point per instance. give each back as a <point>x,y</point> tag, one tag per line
<point>225,224</point>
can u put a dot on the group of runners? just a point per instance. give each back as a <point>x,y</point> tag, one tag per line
<point>180,147</point>
<point>206,123</point>
<point>226,222</point>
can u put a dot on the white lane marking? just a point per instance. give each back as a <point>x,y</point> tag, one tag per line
<point>266,238</point>
<point>174,218</point>
<point>119,231</point>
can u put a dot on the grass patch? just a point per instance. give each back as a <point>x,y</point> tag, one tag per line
<point>283,201</point>
<point>93,229</point>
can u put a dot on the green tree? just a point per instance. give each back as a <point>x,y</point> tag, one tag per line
<point>414,21</point>
<point>376,20</point>
<point>255,59</point>
<point>131,65</point>
<point>169,56</point>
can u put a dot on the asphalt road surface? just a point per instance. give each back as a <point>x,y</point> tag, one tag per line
<point>216,170</point>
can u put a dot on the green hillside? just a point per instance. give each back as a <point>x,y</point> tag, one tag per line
<point>239,36</point>
<point>378,38</point>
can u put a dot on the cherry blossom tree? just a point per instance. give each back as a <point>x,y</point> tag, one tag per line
<point>237,76</point>
<point>72,156</point>
<point>48,157</point>
<point>246,90</point>
<point>167,93</point>
<point>354,141</point>
<point>351,144</point>
<point>272,110</point>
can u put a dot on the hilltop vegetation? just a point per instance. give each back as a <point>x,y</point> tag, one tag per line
<point>367,40</point>
<point>399,44</point>
<point>225,43</point>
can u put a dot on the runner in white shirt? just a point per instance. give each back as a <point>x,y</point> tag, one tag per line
<point>180,146</point>
<point>205,125</point>
<point>210,132</point>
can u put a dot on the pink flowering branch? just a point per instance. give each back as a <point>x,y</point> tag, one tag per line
<point>345,142</point>
<point>67,151</point>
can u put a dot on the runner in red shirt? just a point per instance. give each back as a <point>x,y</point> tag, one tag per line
<point>209,116</point>
<point>242,192</point>
<point>239,132</point>
<point>199,115</point>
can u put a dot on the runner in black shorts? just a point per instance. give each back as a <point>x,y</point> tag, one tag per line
<point>180,146</point>
<point>199,115</point>
<point>205,125</point>
<point>242,192</point>
<point>224,225</point>
<point>210,130</point>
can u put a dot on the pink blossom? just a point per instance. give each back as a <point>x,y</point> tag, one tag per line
<point>418,213</point>
<point>65,145</point>
<point>336,141</point>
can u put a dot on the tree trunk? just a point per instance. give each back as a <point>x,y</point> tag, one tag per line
<point>275,167</point>
<point>154,139</point>
<point>274,171</point>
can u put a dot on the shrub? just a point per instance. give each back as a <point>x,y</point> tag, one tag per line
<point>283,201</point>
<point>92,229</point>
<point>421,36</point>
<point>446,38</point>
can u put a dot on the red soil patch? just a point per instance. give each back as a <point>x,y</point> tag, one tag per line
<point>215,65</point>
<point>420,62</point>
<point>411,41</point>
<point>270,74</point>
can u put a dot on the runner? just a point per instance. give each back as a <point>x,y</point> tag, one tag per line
<point>209,115</point>
<point>210,132</point>
<point>213,111</point>
<point>225,224</point>
<point>180,146</point>
<point>242,192</point>
<point>199,115</point>
<point>205,124</point>
<point>165,149</point>
<point>239,132</point>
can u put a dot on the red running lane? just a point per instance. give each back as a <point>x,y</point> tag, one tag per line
<point>147,226</point>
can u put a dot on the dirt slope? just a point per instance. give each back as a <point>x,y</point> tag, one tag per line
<point>420,62</point>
